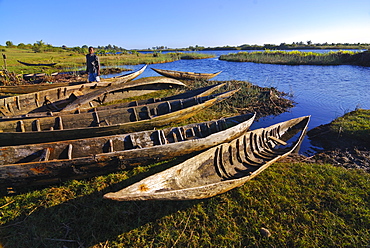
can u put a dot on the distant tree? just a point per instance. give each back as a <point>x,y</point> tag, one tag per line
<point>269,46</point>
<point>22,46</point>
<point>38,47</point>
<point>309,42</point>
<point>9,43</point>
<point>283,46</point>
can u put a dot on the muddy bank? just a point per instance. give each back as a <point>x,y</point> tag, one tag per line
<point>339,149</point>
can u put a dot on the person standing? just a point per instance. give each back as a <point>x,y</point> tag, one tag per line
<point>93,66</point>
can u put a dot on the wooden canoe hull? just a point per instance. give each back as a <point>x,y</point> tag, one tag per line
<point>186,75</point>
<point>24,89</point>
<point>29,88</point>
<point>127,77</point>
<point>102,123</point>
<point>95,104</point>
<point>221,168</point>
<point>86,157</point>
<point>39,64</point>
<point>54,98</point>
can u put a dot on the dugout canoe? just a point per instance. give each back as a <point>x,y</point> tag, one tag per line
<point>200,92</point>
<point>53,162</point>
<point>126,77</point>
<point>57,98</point>
<point>29,88</point>
<point>39,64</point>
<point>102,123</point>
<point>186,75</point>
<point>220,168</point>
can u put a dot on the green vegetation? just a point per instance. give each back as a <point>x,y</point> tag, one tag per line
<point>68,59</point>
<point>302,205</point>
<point>283,46</point>
<point>349,131</point>
<point>355,124</point>
<point>300,58</point>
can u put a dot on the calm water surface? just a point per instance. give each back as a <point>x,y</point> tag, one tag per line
<point>324,92</point>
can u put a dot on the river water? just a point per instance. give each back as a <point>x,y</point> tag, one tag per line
<point>324,92</point>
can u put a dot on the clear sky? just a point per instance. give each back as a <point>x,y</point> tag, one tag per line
<point>140,24</point>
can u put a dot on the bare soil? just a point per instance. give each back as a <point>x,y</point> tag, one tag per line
<point>339,150</point>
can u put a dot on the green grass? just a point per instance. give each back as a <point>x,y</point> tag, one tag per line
<point>355,124</point>
<point>69,60</point>
<point>292,57</point>
<point>349,131</point>
<point>302,205</point>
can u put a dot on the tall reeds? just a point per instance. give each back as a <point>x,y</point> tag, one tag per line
<point>291,57</point>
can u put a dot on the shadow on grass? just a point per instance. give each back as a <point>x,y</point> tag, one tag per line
<point>85,221</point>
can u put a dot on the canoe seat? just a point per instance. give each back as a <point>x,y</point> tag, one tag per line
<point>69,151</point>
<point>36,125</point>
<point>18,103</point>
<point>190,133</point>
<point>45,154</point>
<point>75,94</point>
<point>198,131</point>
<point>131,143</point>
<point>161,137</point>
<point>96,118</point>
<point>110,145</point>
<point>144,113</point>
<point>134,116</point>
<point>58,123</point>
<point>179,134</point>
<point>20,126</point>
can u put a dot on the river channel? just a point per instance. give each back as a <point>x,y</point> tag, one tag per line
<point>324,92</point>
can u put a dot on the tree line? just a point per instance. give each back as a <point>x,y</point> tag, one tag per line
<point>41,46</point>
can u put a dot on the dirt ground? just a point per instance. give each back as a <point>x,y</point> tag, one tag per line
<point>338,149</point>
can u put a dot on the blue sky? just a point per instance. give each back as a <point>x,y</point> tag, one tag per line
<point>134,24</point>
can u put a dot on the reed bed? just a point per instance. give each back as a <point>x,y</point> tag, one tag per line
<point>291,57</point>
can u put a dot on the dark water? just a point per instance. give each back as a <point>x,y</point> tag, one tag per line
<point>324,92</point>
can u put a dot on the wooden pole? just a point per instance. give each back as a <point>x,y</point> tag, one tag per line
<point>4,58</point>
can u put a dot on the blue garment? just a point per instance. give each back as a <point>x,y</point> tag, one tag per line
<point>93,77</point>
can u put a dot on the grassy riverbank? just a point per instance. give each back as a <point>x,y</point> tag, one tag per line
<point>352,129</point>
<point>345,140</point>
<point>300,58</point>
<point>301,204</point>
<point>69,60</point>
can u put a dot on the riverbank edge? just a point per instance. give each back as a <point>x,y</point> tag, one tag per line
<point>290,58</point>
<point>341,147</point>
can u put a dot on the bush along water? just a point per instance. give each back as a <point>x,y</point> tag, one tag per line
<point>301,58</point>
